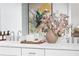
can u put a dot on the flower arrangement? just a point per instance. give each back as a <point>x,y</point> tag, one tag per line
<point>45,22</point>
<point>53,26</point>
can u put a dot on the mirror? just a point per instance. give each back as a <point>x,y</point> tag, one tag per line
<point>14,17</point>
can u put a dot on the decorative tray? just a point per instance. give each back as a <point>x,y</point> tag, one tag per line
<point>32,42</point>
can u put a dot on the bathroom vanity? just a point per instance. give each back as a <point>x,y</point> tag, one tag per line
<point>12,48</point>
<point>14,17</point>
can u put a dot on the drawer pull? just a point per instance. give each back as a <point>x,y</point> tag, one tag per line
<point>32,53</point>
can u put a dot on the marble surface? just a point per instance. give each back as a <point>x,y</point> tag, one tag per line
<point>69,46</point>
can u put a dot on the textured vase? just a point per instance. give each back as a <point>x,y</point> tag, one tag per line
<point>51,37</point>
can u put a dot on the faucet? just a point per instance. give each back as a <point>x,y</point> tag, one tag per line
<point>19,34</point>
<point>12,36</point>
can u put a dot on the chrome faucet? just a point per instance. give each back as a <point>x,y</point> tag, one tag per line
<point>12,34</point>
<point>19,34</point>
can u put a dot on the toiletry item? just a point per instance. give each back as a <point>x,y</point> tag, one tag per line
<point>8,36</point>
<point>4,36</point>
<point>0,35</point>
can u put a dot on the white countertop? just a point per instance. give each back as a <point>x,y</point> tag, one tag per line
<point>40,46</point>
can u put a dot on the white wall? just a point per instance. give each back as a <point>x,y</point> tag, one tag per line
<point>60,7</point>
<point>10,17</point>
<point>75,14</point>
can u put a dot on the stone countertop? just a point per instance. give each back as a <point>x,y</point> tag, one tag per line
<point>62,46</point>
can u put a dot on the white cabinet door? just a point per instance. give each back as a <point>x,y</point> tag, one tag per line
<point>32,52</point>
<point>7,51</point>
<point>61,53</point>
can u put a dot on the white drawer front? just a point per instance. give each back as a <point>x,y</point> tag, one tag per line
<point>32,52</point>
<point>61,53</point>
<point>7,51</point>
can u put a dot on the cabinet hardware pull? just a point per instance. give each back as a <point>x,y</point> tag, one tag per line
<point>32,53</point>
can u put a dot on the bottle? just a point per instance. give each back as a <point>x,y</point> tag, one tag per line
<point>8,36</point>
<point>8,33</point>
<point>4,36</point>
<point>0,35</point>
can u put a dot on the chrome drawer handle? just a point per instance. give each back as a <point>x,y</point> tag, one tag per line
<point>32,53</point>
